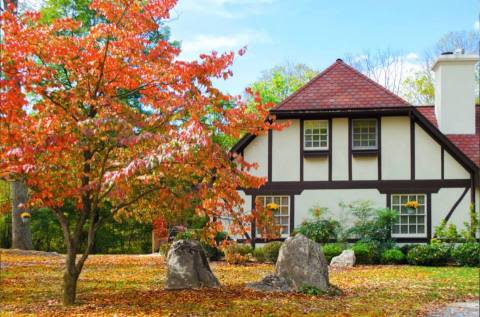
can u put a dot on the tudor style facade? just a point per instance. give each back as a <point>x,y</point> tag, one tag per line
<point>350,139</point>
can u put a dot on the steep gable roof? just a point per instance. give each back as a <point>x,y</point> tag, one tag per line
<point>469,144</point>
<point>340,87</point>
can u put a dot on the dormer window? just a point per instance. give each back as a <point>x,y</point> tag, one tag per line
<point>315,135</point>
<point>364,134</point>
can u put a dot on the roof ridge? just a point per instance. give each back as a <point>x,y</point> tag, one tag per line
<point>322,73</point>
<point>374,82</point>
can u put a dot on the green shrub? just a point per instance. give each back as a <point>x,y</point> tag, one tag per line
<point>164,247</point>
<point>407,247</point>
<point>320,230</point>
<point>270,252</point>
<point>392,256</point>
<point>429,255</point>
<point>212,252</point>
<point>259,255</point>
<point>467,254</point>
<point>332,249</point>
<point>365,252</point>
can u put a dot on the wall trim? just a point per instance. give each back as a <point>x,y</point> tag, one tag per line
<point>412,148</point>
<point>330,148</point>
<point>350,148</point>
<point>455,205</point>
<point>383,186</point>
<point>301,148</point>
<point>379,147</point>
<point>270,146</point>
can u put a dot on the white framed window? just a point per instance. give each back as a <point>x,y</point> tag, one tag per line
<point>315,135</point>
<point>412,222</point>
<point>282,215</point>
<point>364,134</point>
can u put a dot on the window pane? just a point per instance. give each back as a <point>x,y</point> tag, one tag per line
<point>365,131</point>
<point>404,229</point>
<point>395,199</point>
<point>421,229</point>
<point>413,229</point>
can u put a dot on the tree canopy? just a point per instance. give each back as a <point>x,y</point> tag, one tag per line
<point>76,134</point>
<point>281,81</point>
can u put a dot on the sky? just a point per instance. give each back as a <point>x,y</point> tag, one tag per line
<point>313,32</point>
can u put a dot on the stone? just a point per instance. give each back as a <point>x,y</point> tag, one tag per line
<point>345,259</point>
<point>300,263</point>
<point>187,267</point>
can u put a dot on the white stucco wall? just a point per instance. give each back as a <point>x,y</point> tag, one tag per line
<point>339,149</point>
<point>443,201</point>
<point>395,148</point>
<point>331,198</point>
<point>428,156</point>
<point>315,169</point>
<point>286,153</point>
<point>257,152</point>
<point>364,168</point>
<point>453,169</point>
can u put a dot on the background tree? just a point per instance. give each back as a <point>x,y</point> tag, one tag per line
<point>281,81</point>
<point>419,86</point>
<point>20,229</point>
<point>386,67</point>
<point>83,141</point>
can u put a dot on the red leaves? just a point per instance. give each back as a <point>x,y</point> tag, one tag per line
<point>120,119</point>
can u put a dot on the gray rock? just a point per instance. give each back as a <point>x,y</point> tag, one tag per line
<point>463,309</point>
<point>271,283</point>
<point>187,267</point>
<point>300,263</point>
<point>345,259</point>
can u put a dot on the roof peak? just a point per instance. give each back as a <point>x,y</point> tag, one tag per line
<point>340,86</point>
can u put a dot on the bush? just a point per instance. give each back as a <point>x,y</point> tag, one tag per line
<point>213,253</point>
<point>259,255</point>
<point>407,247</point>
<point>237,253</point>
<point>365,253</point>
<point>268,253</point>
<point>164,247</point>
<point>467,254</point>
<point>429,255</point>
<point>320,230</point>
<point>332,249</point>
<point>392,256</point>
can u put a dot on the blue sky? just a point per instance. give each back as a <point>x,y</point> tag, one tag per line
<point>313,32</point>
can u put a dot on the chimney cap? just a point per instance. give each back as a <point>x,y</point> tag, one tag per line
<point>455,58</point>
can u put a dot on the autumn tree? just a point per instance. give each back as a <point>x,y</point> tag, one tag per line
<point>75,132</point>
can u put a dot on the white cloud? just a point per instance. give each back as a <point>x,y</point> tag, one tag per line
<point>208,43</point>
<point>476,25</point>
<point>411,56</point>
<point>228,9</point>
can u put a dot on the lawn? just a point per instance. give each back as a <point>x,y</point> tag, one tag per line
<point>128,285</point>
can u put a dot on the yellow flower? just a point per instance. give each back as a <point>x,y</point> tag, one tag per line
<point>412,204</point>
<point>272,206</point>
<point>25,215</point>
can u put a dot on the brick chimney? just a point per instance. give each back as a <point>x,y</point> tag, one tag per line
<point>455,92</point>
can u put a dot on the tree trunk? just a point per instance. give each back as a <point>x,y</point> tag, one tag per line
<point>70,278</point>
<point>21,234</point>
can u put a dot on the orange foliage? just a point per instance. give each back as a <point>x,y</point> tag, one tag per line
<point>81,139</point>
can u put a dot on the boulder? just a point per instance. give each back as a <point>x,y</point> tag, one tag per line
<point>187,267</point>
<point>300,263</point>
<point>345,259</point>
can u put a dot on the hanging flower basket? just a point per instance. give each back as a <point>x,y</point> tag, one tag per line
<point>273,206</point>
<point>412,207</point>
<point>25,217</point>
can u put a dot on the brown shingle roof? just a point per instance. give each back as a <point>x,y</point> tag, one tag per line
<point>340,87</point>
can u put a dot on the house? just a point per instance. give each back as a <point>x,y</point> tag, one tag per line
<point>351,139</point>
